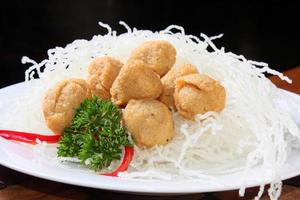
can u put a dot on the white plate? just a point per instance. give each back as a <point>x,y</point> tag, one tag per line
<point>25,159</point>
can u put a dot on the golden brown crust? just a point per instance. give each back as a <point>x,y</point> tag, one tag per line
<point>198,94</point>
<point>150,122</point>
<point>158,55</point>
<point>135,81</point>
<point>102,73</point>
<point>60,103</point>
<point>168,82</point>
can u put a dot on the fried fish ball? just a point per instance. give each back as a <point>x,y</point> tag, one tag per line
<point>168,82</point>
<point>150,122</point>
<point>60,103</point>
<point>198,94</point>
<point>158,55</point>
<point>102,73</point>
<point>135,81</point>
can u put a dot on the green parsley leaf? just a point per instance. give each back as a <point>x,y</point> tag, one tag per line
<point>95,136</point>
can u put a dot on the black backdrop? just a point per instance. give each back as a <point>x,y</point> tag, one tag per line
<point>261,31</point>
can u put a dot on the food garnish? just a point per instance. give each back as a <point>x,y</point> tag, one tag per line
<point>128,155</point>
<point>26,137</point>
<point>95,136</point>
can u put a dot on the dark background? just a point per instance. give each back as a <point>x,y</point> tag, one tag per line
<point>261,31</point>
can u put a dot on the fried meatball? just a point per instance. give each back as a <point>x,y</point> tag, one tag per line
<point>150,122</point>
<point>198,94</point>
<point>60,103</point>
<point>135,81</point>
<point>158,55</point>
<point>102,73</point>
<point>168,82</point>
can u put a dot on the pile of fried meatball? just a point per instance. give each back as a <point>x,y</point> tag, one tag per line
<point>147,87</point>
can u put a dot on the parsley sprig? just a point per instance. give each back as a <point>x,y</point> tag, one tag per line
<point>95,136</point>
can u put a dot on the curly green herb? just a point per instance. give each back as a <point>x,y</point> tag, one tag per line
<point>96,135</point>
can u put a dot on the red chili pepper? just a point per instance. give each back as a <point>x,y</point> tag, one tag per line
<point>128,155</point>
<point>28,137</point>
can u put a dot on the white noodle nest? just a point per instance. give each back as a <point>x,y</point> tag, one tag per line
<point>250,132</point>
